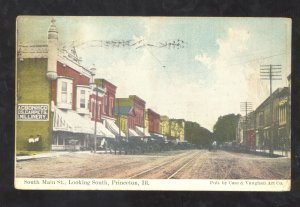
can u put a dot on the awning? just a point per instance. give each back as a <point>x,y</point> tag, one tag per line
<point>147,134</point>
<point>140,131</point>
<point>156,135</point>
<point>110,124</point>
<point>70,121</point>
<point>132,133</point>
<point>101,130</point>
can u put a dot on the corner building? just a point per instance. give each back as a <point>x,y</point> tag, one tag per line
<point>47,74</point>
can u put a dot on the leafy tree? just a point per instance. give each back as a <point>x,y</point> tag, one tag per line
<point>225,128</point>
<point>196,134</point>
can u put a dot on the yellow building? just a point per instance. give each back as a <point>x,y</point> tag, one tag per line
<point>121,122</point>
<point>164,126</point>
<point>122,111</point>
<point>33,87</point>
<point>177,129</point>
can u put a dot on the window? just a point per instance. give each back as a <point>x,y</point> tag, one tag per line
<point>82,98</point>
<point>64,92</point>
<point>99,110</point>
<point>111,102</point>
<point>105,102</point>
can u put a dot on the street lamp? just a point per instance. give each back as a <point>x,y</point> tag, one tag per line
<point>96,115</point>
<point>96,89</point>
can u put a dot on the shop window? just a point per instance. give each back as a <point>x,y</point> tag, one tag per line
<point>60,141</point>
<point>54,140</point>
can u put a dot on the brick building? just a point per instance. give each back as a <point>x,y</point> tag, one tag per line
<point>131,111</point>
<point>54,77</point>
<point>154,121</point>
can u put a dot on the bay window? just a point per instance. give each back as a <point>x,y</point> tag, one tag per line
<point>64,92</point>
<point>82,99</point>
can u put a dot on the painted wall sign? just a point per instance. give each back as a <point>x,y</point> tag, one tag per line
<point>33,112</point>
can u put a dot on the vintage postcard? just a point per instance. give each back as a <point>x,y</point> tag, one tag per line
<point>153,103</point>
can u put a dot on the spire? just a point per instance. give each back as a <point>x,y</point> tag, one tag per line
<point>52,51</point>
<point>52,32</point>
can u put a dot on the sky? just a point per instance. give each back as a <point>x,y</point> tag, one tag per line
<point>216,70</point>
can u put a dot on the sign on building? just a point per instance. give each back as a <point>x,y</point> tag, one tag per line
<point>33,112</point>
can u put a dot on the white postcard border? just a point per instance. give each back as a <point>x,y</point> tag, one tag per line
<point>152,184</point>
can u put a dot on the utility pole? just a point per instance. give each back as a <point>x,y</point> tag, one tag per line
<point>271,73</point>
<point>246,107</point>
<point>95,124</point>
<point>119,116</point>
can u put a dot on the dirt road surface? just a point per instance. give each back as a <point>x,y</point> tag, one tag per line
<point>190,164</point>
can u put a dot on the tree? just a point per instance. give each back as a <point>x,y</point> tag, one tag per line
<point>225,128</point>
<point>196,134</point>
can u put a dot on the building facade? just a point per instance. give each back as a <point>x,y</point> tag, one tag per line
<point>54,77</point>
<point>131,109</point>
<point>249,131</point>
<point>154,121</point>
<point>164,126</point>
<point>272,125</point>
<point>177,129</point>
<point>268,127</point>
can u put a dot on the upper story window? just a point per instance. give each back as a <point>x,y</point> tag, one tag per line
<point>64,92</point>
<point>82,99</point>
<point>111,106</point>
<point>82,102</point>
<point>104,104</point>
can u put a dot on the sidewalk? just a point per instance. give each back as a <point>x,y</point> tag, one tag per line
<point>52,154</point>
<point>277,152</point>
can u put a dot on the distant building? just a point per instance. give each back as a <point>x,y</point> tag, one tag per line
<point>177,129</point>
<point>164,126</point>
<point>108,105</point>
<point>154,121</point>
<point>249,136</point>
<point>133,108</point>
<point>240,130</point>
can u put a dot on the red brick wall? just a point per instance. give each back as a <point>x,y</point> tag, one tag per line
<point>154,120</point>
<point>138,108</point>
<point>110,94</point>
<point>78,79</point>
<point>92,109</point>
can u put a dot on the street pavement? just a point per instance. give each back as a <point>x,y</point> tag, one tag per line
<point>182,164</point>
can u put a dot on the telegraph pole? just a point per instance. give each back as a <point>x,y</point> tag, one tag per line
<point>119,116</point>
<point>271,73</point>
<point>246,107</point>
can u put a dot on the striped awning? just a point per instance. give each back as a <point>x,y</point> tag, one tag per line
<point>132,133</point>
<point>70,121</point>
<point>111,126</point>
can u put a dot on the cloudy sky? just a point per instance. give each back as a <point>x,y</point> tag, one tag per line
<point>216,70</point>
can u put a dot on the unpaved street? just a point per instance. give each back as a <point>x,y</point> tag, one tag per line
<point>190,164</point>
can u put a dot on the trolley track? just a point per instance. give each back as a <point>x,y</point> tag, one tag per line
<point>169,172</point>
